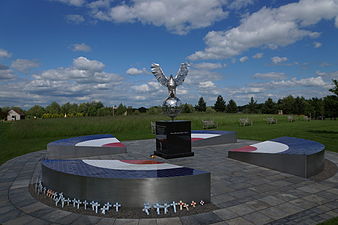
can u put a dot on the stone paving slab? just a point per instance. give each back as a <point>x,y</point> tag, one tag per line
<point>245,193</point>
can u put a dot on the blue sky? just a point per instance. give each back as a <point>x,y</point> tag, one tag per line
<point>101,50</point>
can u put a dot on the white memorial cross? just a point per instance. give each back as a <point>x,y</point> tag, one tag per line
<point>68,201</point>
<point>40,188</point>
<point>44,190</point>
<point>106,208</point>
<point>78,203</point>
<point>117,205</point>
<point>157,207</point>
<point>146,208</point>
<point>74,202</point>
<point>174,204</point>
<point>55,195</point>
<point>85,203</point>
<point>166,206</point>
<point>108,205</point>
<point>95,206</point>
<point>58,199</point>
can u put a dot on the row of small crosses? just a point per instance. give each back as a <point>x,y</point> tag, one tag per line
<point>59,198</point>
<point>147,207</point>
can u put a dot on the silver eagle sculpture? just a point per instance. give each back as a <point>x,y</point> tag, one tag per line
<point>172,106</point>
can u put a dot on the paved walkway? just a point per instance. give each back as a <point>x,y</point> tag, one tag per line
<point>246,194</point>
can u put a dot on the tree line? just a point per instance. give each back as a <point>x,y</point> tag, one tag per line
<point>315,107</point>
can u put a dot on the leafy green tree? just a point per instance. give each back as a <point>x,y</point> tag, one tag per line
<point>105,111</point>
<point>231,107</point>
<point>219,104</point>
<point>69,108</point>
<point>299,106</point>
<point>3,112</point>
<point>201,105</point>
<point>92,110</point>
<point>129,110</point>
<point>331,106</point>
<point>53,108</point>
<point>210,110</point>
<point>316,108</point>
<point>252,106</point>
<point>335,89</point>
<point>36,111</point>
<point>269,107</point>
<point>187,108</point>
<point>287,104</point>
<point>154,110</point>
<point>142,110</point>
<point>308,109</point>
<point>121,109</point>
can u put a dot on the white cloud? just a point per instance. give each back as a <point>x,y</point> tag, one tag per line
<point>271,75</point>
<point>246,90</point>
<point>207,84</point>
<point>99,4</point>
<point>140,98</point>
<point>208,66</point>
<point>258,56</point>
<point>277,59</point>
<point>238,4</point>
<point>6,74</point>
<point>317,44</point>
<point>176,15</point>
<point>330,75</point>
<point>83,63</point>
<point>81,47</point>
<point>196,76</point>
<point>243,59</point>
<point>4,53</point>
<point>135,71</point>
<point>83,71</point>
<point>24,65</point>
<point>76,19</point>
<point>72,2</point>
<point>268,27</point>
<point>84,78</point>
<point>305,82</point>
<point>141,88</point>
<point>181,91</point>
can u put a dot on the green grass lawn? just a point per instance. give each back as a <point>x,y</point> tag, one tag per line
<point>21,137</point>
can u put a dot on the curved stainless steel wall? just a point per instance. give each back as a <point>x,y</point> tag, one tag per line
<point>129,192</point>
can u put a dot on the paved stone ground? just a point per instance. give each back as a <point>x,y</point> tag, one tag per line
<point>246,194</point>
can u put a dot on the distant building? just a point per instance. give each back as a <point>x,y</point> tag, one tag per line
<point>14,115</point>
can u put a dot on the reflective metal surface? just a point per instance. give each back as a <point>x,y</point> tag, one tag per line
<point>130,192</point>
<point>172,106</point>
<point>299,165</point>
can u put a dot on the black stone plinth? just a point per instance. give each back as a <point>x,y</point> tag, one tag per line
<point>173,139</point>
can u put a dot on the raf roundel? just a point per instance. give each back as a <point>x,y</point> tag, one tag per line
<point>85,146</point>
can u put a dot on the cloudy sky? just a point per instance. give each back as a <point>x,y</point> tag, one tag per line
<point>85,50</point>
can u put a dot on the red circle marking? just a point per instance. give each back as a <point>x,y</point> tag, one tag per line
<point>244,149</point>
<point>196,139</point>
<point>116,144</point>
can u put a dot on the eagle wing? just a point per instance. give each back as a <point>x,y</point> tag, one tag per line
<point>181,74</point>
<point>158,73</point>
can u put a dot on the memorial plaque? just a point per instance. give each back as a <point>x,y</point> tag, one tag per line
<point>173,139</point>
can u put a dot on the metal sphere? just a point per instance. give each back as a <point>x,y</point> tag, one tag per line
<point>172,106</point>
